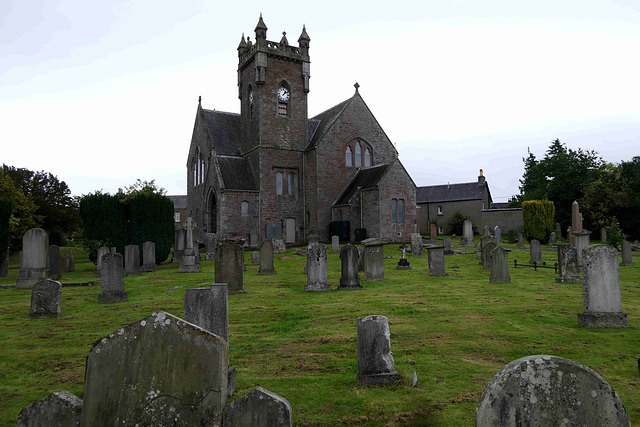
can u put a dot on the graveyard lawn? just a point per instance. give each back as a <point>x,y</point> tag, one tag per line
<point>454,331</point>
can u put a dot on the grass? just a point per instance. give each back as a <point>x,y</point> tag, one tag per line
<point>455,332</point>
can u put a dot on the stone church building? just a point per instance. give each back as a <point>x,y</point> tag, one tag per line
<point>273,171</point>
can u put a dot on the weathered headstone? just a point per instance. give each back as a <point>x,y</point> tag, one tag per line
<point>499,266</point>
<point>520,243</point>
<point>67,263</point>
<point>373,259</point>
<point>583,241</point>
<point>447,246</point>
<point>317,268</point>
<point>349,258</point>
<point>552,239</point>
<point>558,230</point>
<point>361,258</point>
<point>535,252</point>
<point>229,264</point>
<point>467,233</point>
<point>179,242</point>
<point>487,231</point>
<point>568,265</point>
<point>112,279</point>
<point>191,257</point>
<point>479,252</point>
<point>154,372</point>
<point>313,238</point>
<point>209,309</point>
<point>433,232</point>
<point>102,251</point>
<point>57,409</point>
<point>603,235</point>
<point>627,260</point>
<point>375,360</point>
<point>149,257</point>
<point>211,242</point>
<point>259,408</point>
<point>46,298</point>
<point>486,254</point>
<point>435,254</point>
<point>255,258</point>
<point>601,289</point>
<point>497,233</point>
<point>416,244</point>
<point>34,262</point>
<point>511,236</point>
<point>266,258</point>
<point>132,260</point>
<point>279,247</point>
<point>54,262</point>
<point>335,244</point>
<point>549,391</point>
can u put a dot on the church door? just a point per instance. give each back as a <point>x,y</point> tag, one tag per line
<point>211,216</point>
<point>290,230</point>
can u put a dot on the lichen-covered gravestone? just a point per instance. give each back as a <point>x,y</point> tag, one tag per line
<point>255,258</point>
<point>34,261</point>
<point>160,370</point>
<point>259,408</point>
<point>568,269</point>
<point>317,269</point>
<point>266,258</point>
<point>349,267</point>
<point>416,245</point>
<point>57,409</point>
<point>375,360</point>
<point>486,251</point>
<point>549,391</point>
<point>149,257</point>
<point>132,260</point>
<point>112,279</point>
<point>229,265</point>
<point>209,309</point>
<point>279,247</point>
<point>435,257</point>
<point>46,298</point>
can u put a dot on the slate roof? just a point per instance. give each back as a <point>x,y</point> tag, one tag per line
<point>179,202</point>
<point>364,179</point>
<point>236,173</point>
<point>450,192</point>
<point>225,130</point>
<point>324,121</point>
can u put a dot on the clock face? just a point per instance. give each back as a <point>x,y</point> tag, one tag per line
<point>283,94</point>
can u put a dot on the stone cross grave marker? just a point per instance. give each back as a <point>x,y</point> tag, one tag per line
<point>191,256</point>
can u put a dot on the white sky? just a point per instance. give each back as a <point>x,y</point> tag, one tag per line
<point>103,93</point>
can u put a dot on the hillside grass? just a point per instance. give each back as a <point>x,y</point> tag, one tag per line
<point>455,332</point>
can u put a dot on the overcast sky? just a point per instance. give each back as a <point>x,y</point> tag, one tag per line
<point>103,93</point>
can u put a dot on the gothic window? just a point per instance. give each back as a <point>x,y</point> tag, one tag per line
<point>291,183</point>
<point>244,208</point>
<point>367,157</point>
<point>279,183</point>
<point>348,156</point>
<point>194,173</point>
<point>394,210</point>
<point>401,211</point>
<point>358,155</point>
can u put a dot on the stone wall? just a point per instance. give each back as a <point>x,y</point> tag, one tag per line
<point>506,219</point>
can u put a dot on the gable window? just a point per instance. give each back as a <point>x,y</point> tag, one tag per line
<point>244,208</point>
<point>367,158</point>
<point>394,211</point>
<point>291,183</point>
<point>279,183</point>
<point>440,210</point>
<point>401,211</point>
<point>358,155</point>
<point>348,156</point>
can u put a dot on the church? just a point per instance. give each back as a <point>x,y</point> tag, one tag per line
<point>273,171</point>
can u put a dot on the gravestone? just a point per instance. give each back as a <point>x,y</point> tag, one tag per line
<point>416,245</point>
<point>603,235</point>
<point>467,233</point>
<point>57,409</point>
<point>499,266</point>
<point>179,242</point>
<point>102,251</point>
<point>601,289</point>
<point>274,229</point>
<point>112,279</point>
<point>191,256</point>
<point>487,231</point>
<point>568,265</point>
<point>479,252</point>
<point>67,263</point>
<point>209,309</point>
<point>403,263</point>
<point>211,242</point>
<point>549,391</point>
<point>447,246</point>
<point>552,239</point>
<point>54,262</point>
<point>4,265</point>
<point>433,232</point>
<point>335,244</point>
<point>229,264</point>
<point>435,256</point>
<point>313,239</point>
<point>155,371</point>
<point>132,260</point>
<point>497,233</point>
<point>576,217</point>
<point>570,238</point>
<point>34,261</point>
<point>279,247</point>
<point>373,259</point>
<point>349,258</point>
<point>46,298</point>
<point>627,260</point>
<point>486,254</point>
<point>535,252</point>
<point>583,241</point>
<point>511,236</point>
<point>259,408</point>
<point>317,268</point>
<point>558,230</point>
<point>360,258</point>
<point>148,257</point>
<point>266,258</point>
<point>255,258</point>
<point>520,243</point>
<point>375,360</point>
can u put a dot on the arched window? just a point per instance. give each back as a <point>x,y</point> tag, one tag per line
<point>291,183</point>
<point>279,183</point>
<point>348,156</point>
<point>367,157</point>
<point>358,155</point>
<point>244,208</point>
<point>194,172</point>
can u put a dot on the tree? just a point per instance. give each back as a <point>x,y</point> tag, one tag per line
<point>23,215</point>
<point>6,207</point>
<point>151,219</point>
<point>104,221</point>
<point>537,219</point>
<point>456,223</point>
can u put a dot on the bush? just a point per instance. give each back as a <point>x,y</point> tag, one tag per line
<point>456,223</point>
<point>615,236</point>
<point>537,217</point>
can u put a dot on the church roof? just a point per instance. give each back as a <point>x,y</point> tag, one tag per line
<point>364,179</point>
<point>179,201</point>
<point>225,131</point>
<point>451,192</point>
<point>236,173</point>
<point>324,121</point>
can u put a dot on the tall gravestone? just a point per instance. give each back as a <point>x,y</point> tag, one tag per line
<point>102,251</point>
<point>67,263</point>
<point>499,266</point>
<point>570,238</point>
<point>416,244</point>
<point>446,242</point>
<point>549,391</point>
<point>179,242</point>
<point>627,259</point>
<point>335,245</point>
<point>349,267</point>
<point>435,256</point>
<point>467,233</point>
<point>54,262</point>
<point>266,258</point>
<point>34,262</point>
<point>132,260</point>
<point>361,258</point>
<point>154,372</point>
<point>479,252</point>
<point>209,309</point>
<point>497,233</point>
<point>373,259</point>
<point>568,269</point>
<point>520,243</point>
<point>259,408</point>
<point>603,235</point>
<point>601,289</point>
<point>211,242</point>
<point>487,248</point>
<point>279,246</point>
<point>535,252</point>
<point>576,217</point>
<point>375,360</point>
<point>433,232</point>
<point>112,279</point>
<point>57,409</point>
<point>317,268</point>
<point>46,298</point>
<point>583,241</point>
<point>229,265</point>
<point>191,257</point>
<point>149,257</point>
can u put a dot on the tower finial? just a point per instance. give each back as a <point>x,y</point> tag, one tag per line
<point>200,100</point>
<point>356,86</point>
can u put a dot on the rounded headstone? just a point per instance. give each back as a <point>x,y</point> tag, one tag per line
<point>549,391</point>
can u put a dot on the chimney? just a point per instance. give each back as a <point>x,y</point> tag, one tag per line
<point>481,178</point>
